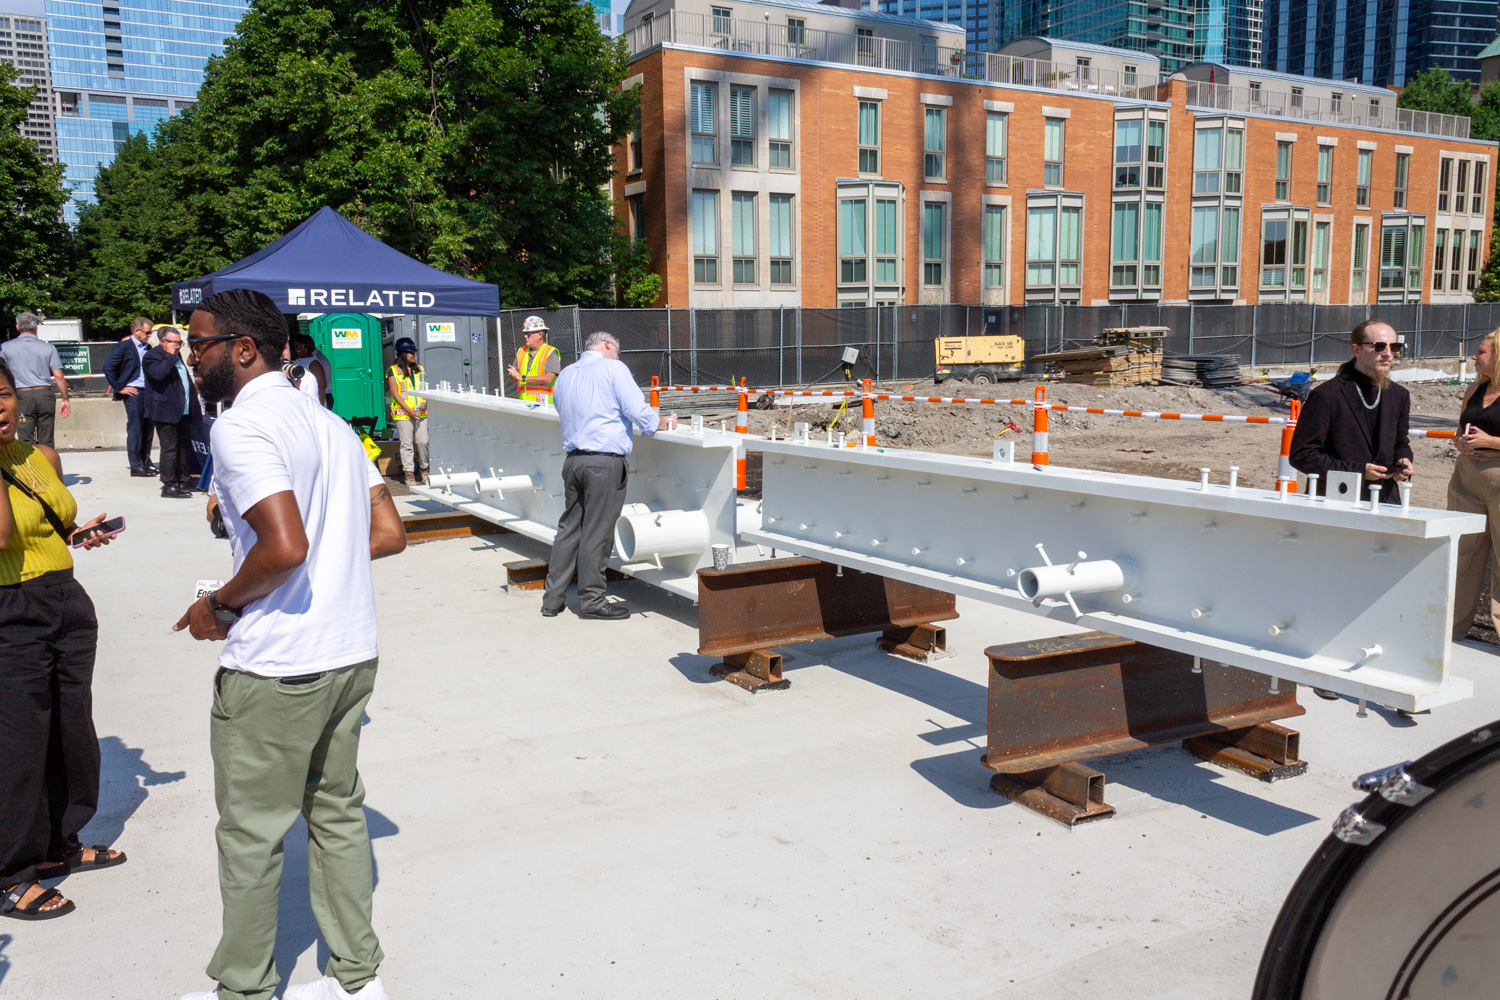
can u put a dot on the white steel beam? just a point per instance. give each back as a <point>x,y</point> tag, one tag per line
<point>501,460</point>
<point>1315,591</point>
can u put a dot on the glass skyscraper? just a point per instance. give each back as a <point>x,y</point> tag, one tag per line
<point>121,66</point>
<point>1178,32</point>
<point>1383,43</point>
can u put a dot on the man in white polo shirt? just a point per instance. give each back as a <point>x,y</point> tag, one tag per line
<point>306,513</point>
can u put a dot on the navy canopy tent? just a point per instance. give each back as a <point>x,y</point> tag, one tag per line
<point>329,264</point>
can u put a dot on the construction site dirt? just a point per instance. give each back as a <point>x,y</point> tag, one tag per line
<point>1169,449</point>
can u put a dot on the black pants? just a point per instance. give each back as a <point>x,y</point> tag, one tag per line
<point>137,433</point>
<point>38,414</point>
<point>176,450</point>
<point>595,492</point>
<point>49,779</point>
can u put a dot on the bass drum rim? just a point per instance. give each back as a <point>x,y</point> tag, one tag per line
<point>1319,888</point>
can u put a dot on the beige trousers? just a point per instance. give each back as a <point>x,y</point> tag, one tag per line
<point>413,437</point>
<point>1475,489</point>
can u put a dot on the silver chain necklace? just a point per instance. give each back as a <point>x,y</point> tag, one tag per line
<point>1368,406</point>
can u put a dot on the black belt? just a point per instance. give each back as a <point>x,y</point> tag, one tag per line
<point>577,452</point>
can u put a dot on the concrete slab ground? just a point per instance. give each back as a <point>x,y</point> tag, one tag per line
<point>578,809</point>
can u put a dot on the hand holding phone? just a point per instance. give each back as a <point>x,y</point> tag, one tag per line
<point>97,532</point>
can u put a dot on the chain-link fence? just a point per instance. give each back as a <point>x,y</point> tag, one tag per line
<point>794,346</point>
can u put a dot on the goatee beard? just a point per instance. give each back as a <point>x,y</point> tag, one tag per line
<point>1380,379</point>
<point>218,381</point>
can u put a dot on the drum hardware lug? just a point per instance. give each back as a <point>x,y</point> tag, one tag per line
<point>1352,828</point>
<point>1394,785</point>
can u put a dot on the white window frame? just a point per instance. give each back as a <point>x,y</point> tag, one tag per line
<point>931,155</point>
<point>699,139</point>
<point>742,125</point>
<point>775,144</point>
<point>867,151</point>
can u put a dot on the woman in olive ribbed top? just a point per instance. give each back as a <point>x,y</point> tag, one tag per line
<point>1475,486</point>
<point>49,782</point>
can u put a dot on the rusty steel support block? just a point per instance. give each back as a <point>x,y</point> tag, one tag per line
<point>1054,702</point>
<point>781,602</point>
<point>447,524</point>
<point>755,671</point>
<point>526,574</point>
<point>531,574</point>
<point>1267,751</point>
<point>1068,793</point>
<point>923,643</point>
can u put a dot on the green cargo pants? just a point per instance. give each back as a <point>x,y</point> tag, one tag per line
<point>282,748</point>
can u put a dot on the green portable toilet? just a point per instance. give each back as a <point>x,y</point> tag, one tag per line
<point>351,342</point>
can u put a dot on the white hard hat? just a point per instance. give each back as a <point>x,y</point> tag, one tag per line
<point>534,324</point>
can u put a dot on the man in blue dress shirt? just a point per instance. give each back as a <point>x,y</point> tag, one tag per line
<point>599,404</point>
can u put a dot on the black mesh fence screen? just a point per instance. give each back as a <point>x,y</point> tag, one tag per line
<point>792,346</point>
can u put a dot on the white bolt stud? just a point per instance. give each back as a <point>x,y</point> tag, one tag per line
<point>1406,497</point>
<point>1275,684</point>
<point>1370,652</point>
<point>1135,516</point>
<point>1312,485</point>
<point>1197,664</point>
<point>1289,537</point>
<point>1372,553</point>
<point>917,551</point>
<point>1130,598</point>
<point>1281,629</point>
<point>1234,477</point>
<point>1374,498</point>
<point>1203,613</point>
<point>1210,526</point>
<point>1203,479</point>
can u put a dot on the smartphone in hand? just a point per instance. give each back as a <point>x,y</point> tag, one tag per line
<point>108,529</point>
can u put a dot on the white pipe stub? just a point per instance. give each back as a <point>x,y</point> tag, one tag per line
<point>1097,576</point>
<point>642,535</point>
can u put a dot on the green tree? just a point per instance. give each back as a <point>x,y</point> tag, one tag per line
<point>476,136</point>
<point>33,239</point>
<point>1436,90</point>
<point>639,287</point>
<point>151,226</point>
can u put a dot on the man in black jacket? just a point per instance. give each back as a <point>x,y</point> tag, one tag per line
<point>127,382</point>
<point>172,404</point>
<point>1357,421</point>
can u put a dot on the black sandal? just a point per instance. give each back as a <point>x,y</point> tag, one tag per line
<point>10,906</point>
<point>75,862</point>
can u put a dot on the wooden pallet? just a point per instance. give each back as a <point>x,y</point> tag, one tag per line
<point>1106,364</point>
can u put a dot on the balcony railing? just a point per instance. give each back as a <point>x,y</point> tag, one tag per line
<point>1223,97</point>
<point>764,38</point>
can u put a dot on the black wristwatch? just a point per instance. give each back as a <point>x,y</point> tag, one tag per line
<point>226,615</point>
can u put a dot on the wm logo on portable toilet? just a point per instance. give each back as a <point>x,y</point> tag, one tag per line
<point>346,338</point>
<point>440,333</point>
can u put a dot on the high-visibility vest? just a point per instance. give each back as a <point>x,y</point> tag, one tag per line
<point>532,364</point>
<point>408,385</point>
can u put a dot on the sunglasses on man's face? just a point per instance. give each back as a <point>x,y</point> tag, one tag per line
<point>198,342</point>
<point>1382,348</point>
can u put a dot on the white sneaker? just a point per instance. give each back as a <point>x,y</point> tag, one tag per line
<point>328,988</point>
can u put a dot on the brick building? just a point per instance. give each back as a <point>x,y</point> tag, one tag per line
<point>771,169</point>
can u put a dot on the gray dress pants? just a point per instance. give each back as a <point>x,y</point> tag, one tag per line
<point>594,486</point>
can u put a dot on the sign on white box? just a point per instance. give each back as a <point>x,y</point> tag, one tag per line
<point>501,459</point>
<point>1315,591</point>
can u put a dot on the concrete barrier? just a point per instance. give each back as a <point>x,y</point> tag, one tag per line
<point>96,423</point>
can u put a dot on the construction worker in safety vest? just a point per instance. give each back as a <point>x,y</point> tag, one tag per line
<point>408,412</point>
<point>537,362</point>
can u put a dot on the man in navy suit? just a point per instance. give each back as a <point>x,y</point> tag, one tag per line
<point>127,381</point>
<point>172,404</point>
